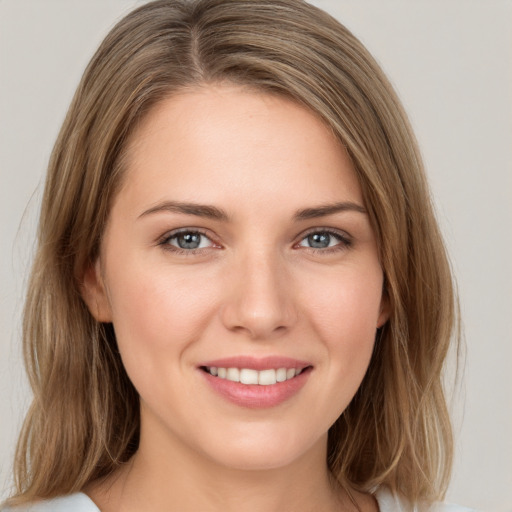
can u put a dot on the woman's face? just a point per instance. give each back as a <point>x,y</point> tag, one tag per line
<point>239,248</point>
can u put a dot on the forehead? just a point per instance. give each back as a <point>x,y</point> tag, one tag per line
<point>213,141</point>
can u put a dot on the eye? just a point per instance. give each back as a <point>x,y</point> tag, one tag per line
<point>187,240</point>
<point>324,240</point>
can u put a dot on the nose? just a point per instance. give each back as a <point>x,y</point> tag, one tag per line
<point>259,298</point>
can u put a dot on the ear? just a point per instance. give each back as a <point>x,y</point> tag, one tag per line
<point>94,293</point>
<point>385,310</point>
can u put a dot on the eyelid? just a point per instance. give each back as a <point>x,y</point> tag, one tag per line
<point>164,239</point>
<point>345,239</point>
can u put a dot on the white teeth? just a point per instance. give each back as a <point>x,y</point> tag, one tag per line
<point>233,374</point>
<point>281,375</point>
<point>250,376</point>
<point>267,377</point>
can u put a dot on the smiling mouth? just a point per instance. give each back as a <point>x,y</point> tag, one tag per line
<point>250,376</point>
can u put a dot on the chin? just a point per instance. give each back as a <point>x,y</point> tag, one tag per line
<point>266,450</point>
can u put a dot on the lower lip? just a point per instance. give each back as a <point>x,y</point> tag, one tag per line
<point>255,396</point>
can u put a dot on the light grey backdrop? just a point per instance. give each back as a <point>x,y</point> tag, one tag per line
<point>451,61</point>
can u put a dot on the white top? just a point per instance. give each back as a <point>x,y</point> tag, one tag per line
<point>80,502</point>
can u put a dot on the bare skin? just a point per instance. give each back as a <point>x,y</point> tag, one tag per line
<point>285,264</point>
<point>129,490</point>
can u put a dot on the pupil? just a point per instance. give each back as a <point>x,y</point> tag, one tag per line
<point>189,240</point>
<point>319,240</point>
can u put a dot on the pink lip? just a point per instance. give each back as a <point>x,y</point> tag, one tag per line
<point>255,396</point>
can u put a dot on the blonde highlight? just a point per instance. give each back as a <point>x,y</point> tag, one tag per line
<point>84,419</point>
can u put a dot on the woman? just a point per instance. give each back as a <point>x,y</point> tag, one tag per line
<point>240,298</point>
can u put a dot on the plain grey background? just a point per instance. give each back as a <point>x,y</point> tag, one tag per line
<point>451,62</point>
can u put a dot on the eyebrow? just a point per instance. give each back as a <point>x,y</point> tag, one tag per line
<point>328,209</point>
<point>213,212</point>
<point>199,210</point>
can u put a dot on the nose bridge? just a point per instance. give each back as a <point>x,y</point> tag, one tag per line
<point>258,301</point>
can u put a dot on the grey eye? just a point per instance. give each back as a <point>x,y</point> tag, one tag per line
<point>189,240</point>
<point>320,240</point>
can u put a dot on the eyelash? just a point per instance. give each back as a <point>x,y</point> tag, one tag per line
<point>164,242</point>
<point>344,241</point>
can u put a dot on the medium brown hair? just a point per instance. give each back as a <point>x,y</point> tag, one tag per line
<point>84,419</point>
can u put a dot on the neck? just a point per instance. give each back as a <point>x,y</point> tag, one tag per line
<point>174,472</point>
<point>159,478</point>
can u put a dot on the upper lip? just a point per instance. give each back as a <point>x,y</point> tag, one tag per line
<point>257,363</point>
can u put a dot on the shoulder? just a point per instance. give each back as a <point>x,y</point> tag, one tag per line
<point>389,502</point>
<point>78,502</point>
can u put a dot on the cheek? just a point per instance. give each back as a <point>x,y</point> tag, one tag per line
<point>347,302</point>
<point>155,309</point>
<point>344,312</point>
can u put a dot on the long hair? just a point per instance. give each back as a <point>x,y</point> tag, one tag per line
<point>84,419</point>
